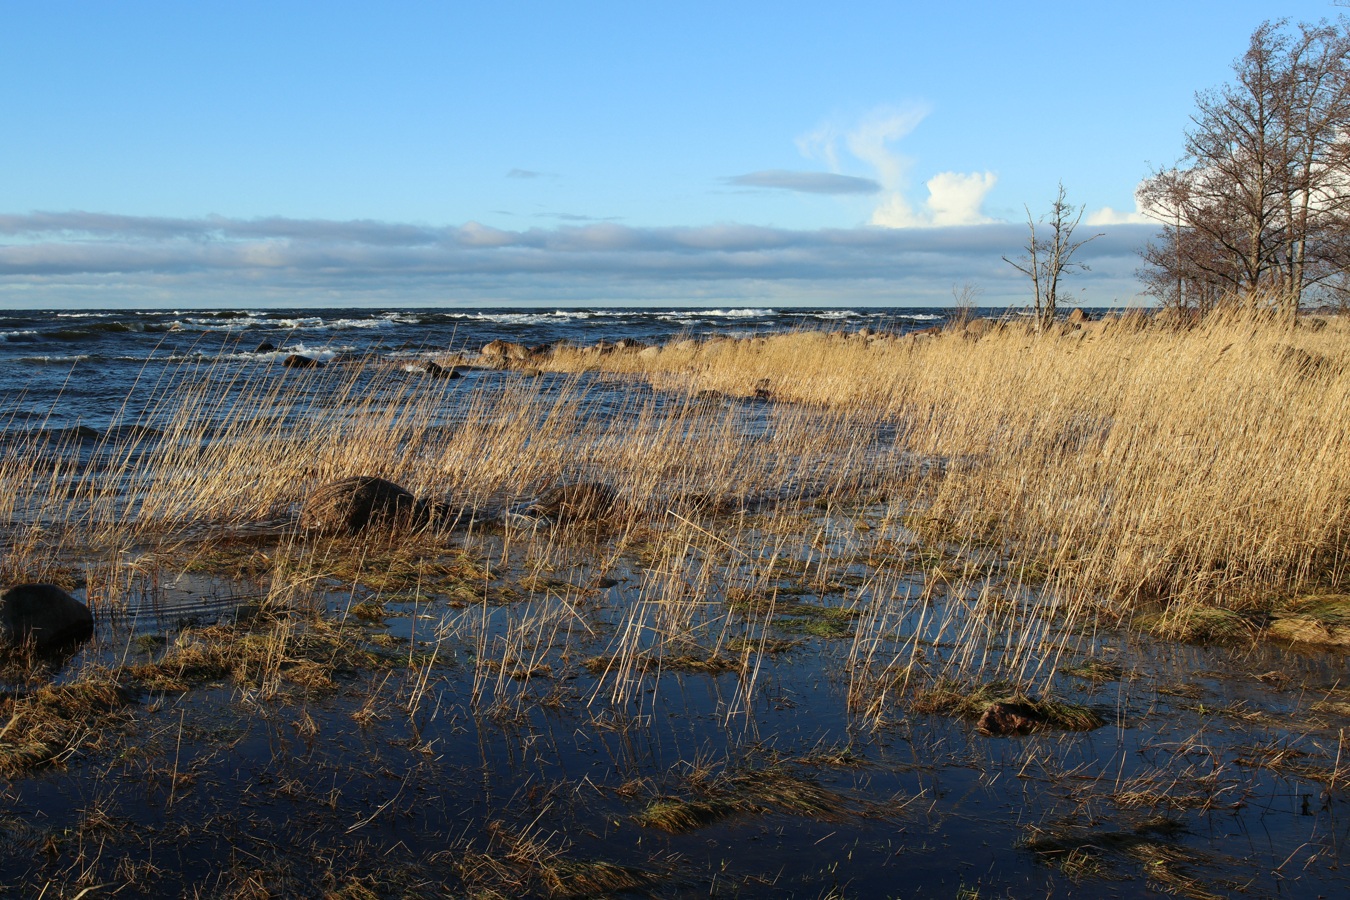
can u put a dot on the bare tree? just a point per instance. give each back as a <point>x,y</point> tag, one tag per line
<point>965,298</point>
<point>1260,202</point>
<point>1049,255</point>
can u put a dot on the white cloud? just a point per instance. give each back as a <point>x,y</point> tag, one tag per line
<point>954,198</point>
<point>1108,216</point>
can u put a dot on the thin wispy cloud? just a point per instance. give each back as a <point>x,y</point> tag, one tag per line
<point>806,182</point>
<point>524,173</point>
<point>575,217</point>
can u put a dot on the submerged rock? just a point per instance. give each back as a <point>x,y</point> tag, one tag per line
<point>266,347</point>
<point>351,505</point>
<point>43,615</point>
<point>296,361</point>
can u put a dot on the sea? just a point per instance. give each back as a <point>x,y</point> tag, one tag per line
<point>62,370</point>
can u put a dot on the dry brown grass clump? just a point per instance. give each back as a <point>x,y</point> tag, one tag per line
<point>710,798</point>
<point>1317,619</point>
<point>308,655</point>
<point>55,722</point>
<point>975,701</point>
<point>524,863</point>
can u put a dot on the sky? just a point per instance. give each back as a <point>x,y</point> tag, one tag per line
<point>450,154</point>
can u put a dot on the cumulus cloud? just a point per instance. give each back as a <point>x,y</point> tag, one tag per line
<point>1108,216</point>
<point>286,260</point>
<point>954,198</point>
<point>807,182</point>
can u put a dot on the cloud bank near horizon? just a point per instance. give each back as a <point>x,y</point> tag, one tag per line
<point>83,258</point>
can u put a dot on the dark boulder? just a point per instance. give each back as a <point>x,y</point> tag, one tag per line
<point>42,615</point>
<point>266,347</point>
<point>351,505</point>
<point>436,370</point>
<point>296,361</point>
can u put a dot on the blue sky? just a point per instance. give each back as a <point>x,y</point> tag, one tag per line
<point>569,154</point>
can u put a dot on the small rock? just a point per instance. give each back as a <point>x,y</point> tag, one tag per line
<point>350,505</point>
<point>436,370</point>
<point>296,361</point>
<point>266,347</point>
<point>43,614</point>
<point>583,501</point>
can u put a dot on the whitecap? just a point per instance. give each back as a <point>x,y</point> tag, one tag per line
<point>53,359</point>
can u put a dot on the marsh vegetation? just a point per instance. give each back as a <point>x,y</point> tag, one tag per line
<point>725,616</point>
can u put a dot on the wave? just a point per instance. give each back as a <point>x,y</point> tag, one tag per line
<point>21,337</point>
<point>322,354</point>
<point>261,321</point>
<point>536,317</point>
<point>97,329</point>
<point>832,314</point>
<point>80,357</point>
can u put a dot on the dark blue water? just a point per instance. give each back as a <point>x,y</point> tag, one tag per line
<point>62,369</point>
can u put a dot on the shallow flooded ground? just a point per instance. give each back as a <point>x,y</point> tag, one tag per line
<point>767,704</point>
